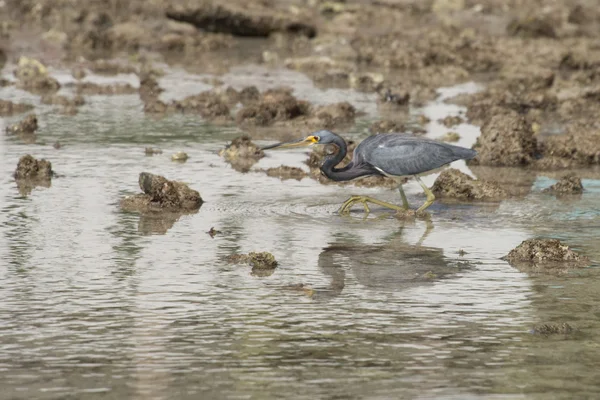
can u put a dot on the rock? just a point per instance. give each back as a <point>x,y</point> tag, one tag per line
<point>450,137</point>
<point>90,88</point>
<point>552,329</point>
<point>275,105</point>
<point>212,232</point>
<point>568,184</point>
<point>149,88</point>
<point>252,19</point>
<point>545,255</point>
<point>161,194</point>
<point>263,264</point>
<point>452,183</point>
<point>30,168</point>
<point>33,76</point>
<point>242,153</point>
<point>532,27</point>
<point>27,125</point>
<point>179,156</point>
<point>284,172</point>
<point>506,140</point>
<point>451,120</point>
<point>579,146</point>
<point>334,115</point>
<point>446,6</point>
<point>208,104</point>
<point>386,126</point>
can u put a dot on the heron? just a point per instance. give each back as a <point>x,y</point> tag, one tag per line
<point>396,155</point>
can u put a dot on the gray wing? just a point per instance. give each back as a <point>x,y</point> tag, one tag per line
<point>399,154</point>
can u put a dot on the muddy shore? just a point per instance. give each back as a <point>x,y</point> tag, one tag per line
<point>537,63</point>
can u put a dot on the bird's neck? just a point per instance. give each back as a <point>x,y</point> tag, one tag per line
<point>345,173</point>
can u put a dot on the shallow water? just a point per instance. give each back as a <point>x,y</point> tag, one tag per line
<point>97,302</point>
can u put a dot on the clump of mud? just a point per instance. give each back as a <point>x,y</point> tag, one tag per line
<point>242,153</point>
<point>545,256</point>
<point>506,140</point>
<point>452,183</point>
<point>161,194</point>
<point>31,173</point>
<point>263,263</point>
<point>550,329</point>
<point>33,76</point>
<point>568,184</point>
<point>284,172</point>
<point>28,125</point>
<point>8,108</point>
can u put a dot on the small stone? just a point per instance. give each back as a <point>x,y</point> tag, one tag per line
<point>213,232</point>
<point>284,172</point>
<point>179,156</point>
<point>150,151</point>
<point>450,137</point>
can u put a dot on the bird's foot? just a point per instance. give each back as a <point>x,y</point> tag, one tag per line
<point>348,204</point>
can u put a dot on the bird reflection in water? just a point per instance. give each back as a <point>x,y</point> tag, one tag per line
<point>393,266</point>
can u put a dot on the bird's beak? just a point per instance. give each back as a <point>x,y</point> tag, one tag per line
<point>296,143</point>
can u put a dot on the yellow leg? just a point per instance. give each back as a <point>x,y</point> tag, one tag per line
<point>430,196</point>
<point>347,205</point>
<point>404,199</point>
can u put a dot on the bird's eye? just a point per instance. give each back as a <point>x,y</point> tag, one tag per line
<point>314,139</point>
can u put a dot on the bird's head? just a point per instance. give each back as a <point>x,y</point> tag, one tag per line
<point>319,137</point>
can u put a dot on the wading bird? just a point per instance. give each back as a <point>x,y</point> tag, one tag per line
<point>395,155</point>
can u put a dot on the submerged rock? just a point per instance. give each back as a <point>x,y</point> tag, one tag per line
<point>545,255</point>
<point>334,115</point>
<point>161,194</point>
<point>242,153</point>
<point>33,76</point>
<point>106,67</point>
<point>451,120</point>
<point>456,184</point>
<point>150,151</point>
<point>8,108</point>
<point>27,125</point>
<point>263,263</point>
<point>568,184</point>
<point>253,19</point>
<point>284,172</point>
<point>552,329</point>
<point>506,140</point>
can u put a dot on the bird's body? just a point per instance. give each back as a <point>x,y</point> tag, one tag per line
<point>399,155</point>
<point>395,154</point>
